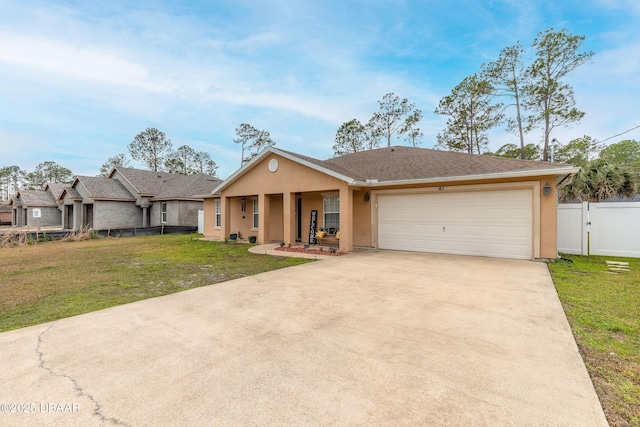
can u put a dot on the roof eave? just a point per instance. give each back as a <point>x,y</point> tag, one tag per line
<point>196,198</point>
<point>496,175</point>
<point>111,199</point>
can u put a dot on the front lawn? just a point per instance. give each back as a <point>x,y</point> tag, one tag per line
<point>604,312</point>
<point>49,281</point>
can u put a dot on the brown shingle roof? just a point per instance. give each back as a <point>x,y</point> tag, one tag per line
<point>387,166</point>
<point>409,163</point>
<point>104,188</point>
<point>55,188</point>
<point>36,198</point>
<point>164,185</point>
<point>72,192</point>
<point>328,165</point>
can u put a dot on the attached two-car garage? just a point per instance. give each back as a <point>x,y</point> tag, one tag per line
<point>496,223</point>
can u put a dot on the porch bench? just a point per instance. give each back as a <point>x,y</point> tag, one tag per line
<point>325,239</point>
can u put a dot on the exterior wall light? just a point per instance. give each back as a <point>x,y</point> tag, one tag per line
<point>546,190</point>
<point>366,197</point>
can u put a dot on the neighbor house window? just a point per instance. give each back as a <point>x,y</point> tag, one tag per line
<point>218,214</point>
<point>332,212</point>
<point>255,213</point>
<point>164,213</point>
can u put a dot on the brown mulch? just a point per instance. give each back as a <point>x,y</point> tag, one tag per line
<point>310,251</point>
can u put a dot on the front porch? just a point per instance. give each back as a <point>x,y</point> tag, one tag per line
<point>291,218</point>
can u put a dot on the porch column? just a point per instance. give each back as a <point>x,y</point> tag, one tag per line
<point>225,209</point>
<point>144,217</point>
<point>77,215</point>
<point>289,217</point>
<point>346,219</point>
<point>264,211</point>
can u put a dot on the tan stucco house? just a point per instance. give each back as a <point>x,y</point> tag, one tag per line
<point>400,198</point>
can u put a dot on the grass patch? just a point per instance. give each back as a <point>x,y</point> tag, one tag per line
<point>53,280</point>
<point>604,312</point>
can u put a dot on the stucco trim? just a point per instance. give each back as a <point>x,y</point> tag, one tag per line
<point>478,177</point>
<point>106,199</point>
<point>168,199</point>
<point>271,150</point>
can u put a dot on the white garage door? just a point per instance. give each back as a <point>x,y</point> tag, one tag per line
<point>487,223</point>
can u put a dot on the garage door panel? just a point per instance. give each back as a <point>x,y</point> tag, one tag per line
<point>490,223</point>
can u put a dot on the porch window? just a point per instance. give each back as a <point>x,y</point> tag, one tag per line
<point>332,211</point>
<point>255,214</point>
<point>164,213</point>
<point>218,214</point>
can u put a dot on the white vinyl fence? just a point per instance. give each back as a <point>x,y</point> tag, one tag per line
<point>611,229</point>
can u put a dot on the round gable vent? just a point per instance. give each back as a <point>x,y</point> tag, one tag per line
<point>273,165</point>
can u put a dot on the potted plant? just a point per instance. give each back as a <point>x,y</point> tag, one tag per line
<point>233,236</point>
<point>253,239</point>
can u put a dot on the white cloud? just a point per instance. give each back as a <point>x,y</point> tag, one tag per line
<point>625,5</point>
<point>74,61</point>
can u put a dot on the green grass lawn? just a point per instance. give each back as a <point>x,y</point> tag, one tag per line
<point>604,312</point>
<point>53,280</point>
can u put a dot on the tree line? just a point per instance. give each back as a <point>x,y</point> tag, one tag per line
<point>13,177</point>
<point>612,171</point>
<point>526,90</point>
<point>153,149</point>
<point>395,118</point>
<point>150,147</point>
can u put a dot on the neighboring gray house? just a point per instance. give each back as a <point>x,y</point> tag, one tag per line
<point>5,212</point>
<point>166,198</point>
<point>42,203</point>
<point>134,198</point>
<point>98,203</point>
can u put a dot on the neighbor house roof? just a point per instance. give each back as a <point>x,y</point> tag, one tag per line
<point>56,188</point>
<point>35,198</point>
<point>15,201</point>
<point>100,188</point>
<point>164,185</point>
<point>188,186</point>
<point>4,206</point>
<point>407,165</point>
<point>72,192</point>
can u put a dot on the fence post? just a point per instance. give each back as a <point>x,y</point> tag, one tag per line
<point>585,228</point>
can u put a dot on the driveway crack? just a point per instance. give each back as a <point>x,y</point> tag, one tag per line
<point>81,392</point>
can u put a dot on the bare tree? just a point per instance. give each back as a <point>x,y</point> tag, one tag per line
<point>550,100</point>
<point>351,137</point>
<point>392,117</point>
<point>471,115</point>
<point>251,140</point>
<point>112,162</point>
<point>150,147</point>
<point>507,77</point>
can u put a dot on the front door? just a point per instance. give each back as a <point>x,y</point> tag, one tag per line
<point>298,218</point>
<point>88,216</point>
<point>68,220</point>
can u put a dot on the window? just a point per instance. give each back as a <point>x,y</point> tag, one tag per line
<point>218,214</point>
<point>332,212</point>
<point>164,213</point>
<point>255,214</point>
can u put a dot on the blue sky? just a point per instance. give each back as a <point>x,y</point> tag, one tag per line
<point>79,79</point>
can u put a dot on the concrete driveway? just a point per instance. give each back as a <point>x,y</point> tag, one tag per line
<point>373,338</point>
